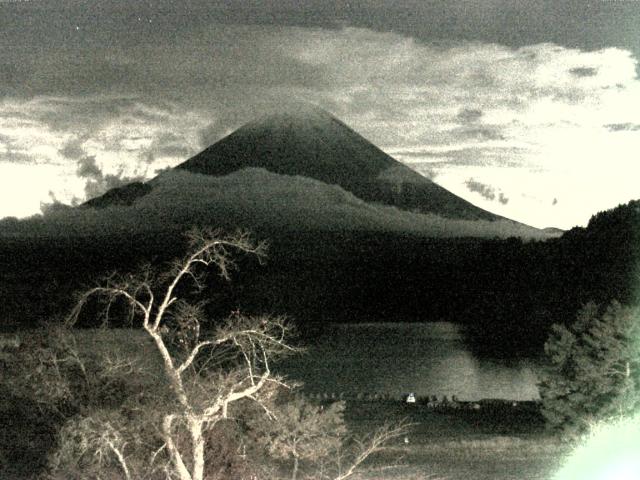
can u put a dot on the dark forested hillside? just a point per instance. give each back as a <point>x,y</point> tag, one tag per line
<point>507,291</point>
<point>534,285</point>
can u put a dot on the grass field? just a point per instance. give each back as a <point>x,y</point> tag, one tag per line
<point>492,443</point>
<point>486,444</point>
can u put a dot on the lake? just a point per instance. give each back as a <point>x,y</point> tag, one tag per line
<point>425,358</point>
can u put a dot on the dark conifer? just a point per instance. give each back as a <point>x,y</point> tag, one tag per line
<point>594,368</point>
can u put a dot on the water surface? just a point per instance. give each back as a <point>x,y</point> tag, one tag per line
<point>395,358</point>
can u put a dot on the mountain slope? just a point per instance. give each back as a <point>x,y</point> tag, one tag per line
<point>312,143</point>
<point>263,202</point>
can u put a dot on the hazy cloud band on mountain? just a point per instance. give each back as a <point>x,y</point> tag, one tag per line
<point>254,199</point>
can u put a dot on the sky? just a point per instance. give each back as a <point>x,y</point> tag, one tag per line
<point>528,109</point>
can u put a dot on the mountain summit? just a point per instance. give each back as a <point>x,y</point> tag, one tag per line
<point>310,142</point>
<point>294,171</point>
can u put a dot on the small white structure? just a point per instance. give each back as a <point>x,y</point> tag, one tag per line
<point>411,398</point>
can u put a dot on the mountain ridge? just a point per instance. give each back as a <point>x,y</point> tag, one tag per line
<point>311,142</point>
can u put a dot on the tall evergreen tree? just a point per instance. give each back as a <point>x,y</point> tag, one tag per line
<point>594,368</point>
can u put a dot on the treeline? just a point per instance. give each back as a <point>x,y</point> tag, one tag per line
<point>508,292</point>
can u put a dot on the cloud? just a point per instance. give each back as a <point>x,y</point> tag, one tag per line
<point>11,156</point>
<point>87,168</point>
<point>623,127</point>
<point>538,108</point>
<point>212,133</point>
<point>72,149</point>
<point>468,115</point>
<point>97,182</point>
<point>482,133</point>
<point>486,191</point>
<point>584,71</point>
<point>55,206</point>
<point>93,143</point>
<point>255,199</point>
<point>168,144</point>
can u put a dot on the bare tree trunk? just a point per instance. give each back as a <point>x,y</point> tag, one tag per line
<point>294,475</point>
<point>169,368</point>
<point>197,443</point>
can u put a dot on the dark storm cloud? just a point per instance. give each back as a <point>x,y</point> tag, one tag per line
<point>573,23</point>
<point>86,76</point>
<point>81,112</point>
<point>13,77</point>
<point>584,71</point>
<point>63,29</point>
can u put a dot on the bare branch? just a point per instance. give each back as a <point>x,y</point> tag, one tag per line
<point>374,443</point>
<point>192,356</point>
<point>208,249</point>
<point>120,457</point>
<point>111,293</point>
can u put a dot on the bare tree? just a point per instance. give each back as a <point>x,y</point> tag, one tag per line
<point>171,417</point>
<point>202,395</point>
<point>304,431</point>
<point>316,434</point>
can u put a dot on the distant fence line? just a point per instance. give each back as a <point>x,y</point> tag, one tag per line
<point>430,401</point>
